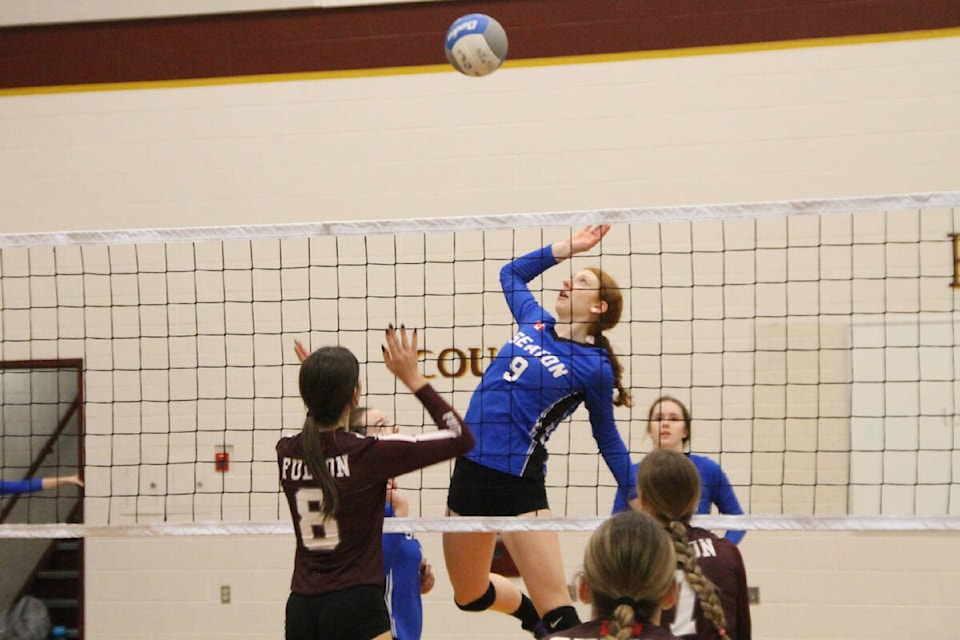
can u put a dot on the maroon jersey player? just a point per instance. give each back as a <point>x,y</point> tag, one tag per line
<point>628,578</point>
<point>720,561</point>
<point>712,600</point>
<point>335,482</point>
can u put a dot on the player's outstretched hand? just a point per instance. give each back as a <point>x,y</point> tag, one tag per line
<point>588,237</point>
<point>74,479</point>
<point>400,356</point>
<point>583,240</point>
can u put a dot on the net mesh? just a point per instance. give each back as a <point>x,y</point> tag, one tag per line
<point>815,343</point>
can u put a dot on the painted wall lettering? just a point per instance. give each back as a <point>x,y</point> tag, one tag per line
<point>454,363</point>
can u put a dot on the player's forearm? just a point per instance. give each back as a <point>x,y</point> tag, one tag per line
<point>562,249</point>
<point>50,483</point>
<point>446,417</point>
<point>617,458</point>
<point>413,380</point>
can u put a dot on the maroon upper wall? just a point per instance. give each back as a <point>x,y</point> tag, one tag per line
<point>412,34</point>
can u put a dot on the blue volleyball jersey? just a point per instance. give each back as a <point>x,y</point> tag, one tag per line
<point>401,564</point>
<point>537,380</point>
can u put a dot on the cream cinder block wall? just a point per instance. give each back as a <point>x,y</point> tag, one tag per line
<point>794,123</point>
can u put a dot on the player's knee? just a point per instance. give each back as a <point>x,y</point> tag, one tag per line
<point>482,603</point>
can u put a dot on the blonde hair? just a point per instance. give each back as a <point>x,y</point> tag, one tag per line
<point>669,487</point>
<point>629,566</point>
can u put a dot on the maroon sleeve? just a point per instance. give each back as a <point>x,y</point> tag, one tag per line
<point>399,454</point>
<point>445,416</point>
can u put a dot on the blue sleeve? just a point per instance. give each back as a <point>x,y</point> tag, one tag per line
<point>722,495</point>
<point>728,505</point>
<point>401,570</point>
<point>8,487</point>
<point>622,500</point>
<point>725,498</point>
<point>735,536</point>
<point>599,403</point>
<point>514,277</point>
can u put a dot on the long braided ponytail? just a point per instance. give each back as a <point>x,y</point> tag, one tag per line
<point>702,586</point>
<point>669,487</point>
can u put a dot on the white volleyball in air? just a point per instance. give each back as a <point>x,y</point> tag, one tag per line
<point>476,44</point>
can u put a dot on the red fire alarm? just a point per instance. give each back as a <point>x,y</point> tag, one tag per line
<point>221,461</point>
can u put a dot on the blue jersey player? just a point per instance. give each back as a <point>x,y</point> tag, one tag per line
<point>551,366</point>
<point>668,424</point>
<point>407,575</point>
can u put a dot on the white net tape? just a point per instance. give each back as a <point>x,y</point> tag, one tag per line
<point>753,210</point>
<point>488,524</point>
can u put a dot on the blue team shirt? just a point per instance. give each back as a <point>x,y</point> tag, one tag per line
<point>401,567</point>
<point>537,380</point>
<point>715,488</point>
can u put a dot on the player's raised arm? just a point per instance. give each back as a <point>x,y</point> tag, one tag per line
<point>400,356</point>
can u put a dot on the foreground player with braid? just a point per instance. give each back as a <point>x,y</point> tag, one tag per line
<point>550,367</point>
<point>628,578</point>
<point>712,601</point>
<point>336,483</point>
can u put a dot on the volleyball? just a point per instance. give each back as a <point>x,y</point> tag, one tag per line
<point>476,44</point>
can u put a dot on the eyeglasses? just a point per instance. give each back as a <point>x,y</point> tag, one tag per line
<point>379,427</point>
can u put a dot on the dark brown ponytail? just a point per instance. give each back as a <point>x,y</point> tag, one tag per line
<point>328,382</point>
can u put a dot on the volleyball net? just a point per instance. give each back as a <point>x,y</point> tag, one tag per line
<point>815,343</point>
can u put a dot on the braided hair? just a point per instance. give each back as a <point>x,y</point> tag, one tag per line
<point>629,566</point>
<point>669,487</point>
